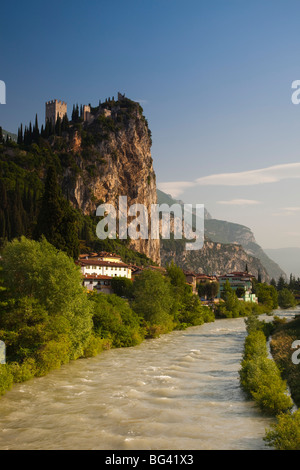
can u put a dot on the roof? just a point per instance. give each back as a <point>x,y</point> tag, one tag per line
<point>237,275</point>
<point>102,254</point>
<point>205,276</point>
<point>189,273</point>
<point>97,262</point>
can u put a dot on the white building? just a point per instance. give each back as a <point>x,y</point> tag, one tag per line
<point>93,266</point>
<point>97,282</point>
<point>99,269</point>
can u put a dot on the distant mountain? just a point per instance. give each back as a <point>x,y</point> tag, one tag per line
<point>10,135</point>
<point>228,233</point>
<point>163,198</point>
<point>288,258</point>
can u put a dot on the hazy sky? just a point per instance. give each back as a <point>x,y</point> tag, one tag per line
<point>214,79</point>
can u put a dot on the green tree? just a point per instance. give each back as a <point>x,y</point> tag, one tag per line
<point>122,286</point>
<point>240,292</point>
<point>281,284</point>
<point>286,299</point>
<point>57,221</point>
<point>187,309</point>
<point>285,434</point>
<point>39,270</point>
<point>267,295</point>
<point>114,319</point>
<point>153,300</point>
<point>208,289</point>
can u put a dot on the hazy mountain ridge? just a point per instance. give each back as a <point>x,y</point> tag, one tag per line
<point>224,234</point>
<point>228,232</point>
<point>288,258</point>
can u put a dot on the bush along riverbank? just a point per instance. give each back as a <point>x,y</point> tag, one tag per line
<point>261,378</point>
<point>48,319</point>
<point>259,375</point>
<point>285,434</point>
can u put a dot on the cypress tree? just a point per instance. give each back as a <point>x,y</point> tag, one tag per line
<point>16,213</point>
<point>259,277</point>
<point>20,135</point>
<point>65,123</point>
<point>36,132</point>
<point>2,225</point>
<point>57,221</point>
<point>58,126</point>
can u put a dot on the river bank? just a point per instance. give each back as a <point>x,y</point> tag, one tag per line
<point>281,349</point>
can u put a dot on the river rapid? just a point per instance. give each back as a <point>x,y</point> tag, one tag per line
<point>179,391</point>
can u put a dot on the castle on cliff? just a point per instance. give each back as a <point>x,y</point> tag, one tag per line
<point>58,108</point>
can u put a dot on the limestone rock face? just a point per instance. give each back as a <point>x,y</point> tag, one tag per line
<point>113,153</point>
<point>215,258</point>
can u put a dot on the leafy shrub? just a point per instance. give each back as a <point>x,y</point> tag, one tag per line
<point>285,434</point>
<point>96,345</point>
<point>114,319</point>
<point>286,299</point>
<point>153,299</point>
<point>52,356</point>
<point>23,371</point>
<point>255,345</point>
<point>6,378</point>
<point>260,376</point>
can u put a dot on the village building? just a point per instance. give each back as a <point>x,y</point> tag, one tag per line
<point>104,268</point>
<point>203,278</point>
<point>191,280</point>
<point>241,282</point>
<point>98,282</point>
<point>98,269</point>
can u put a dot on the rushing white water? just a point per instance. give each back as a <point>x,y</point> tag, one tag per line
<point>180,391</point>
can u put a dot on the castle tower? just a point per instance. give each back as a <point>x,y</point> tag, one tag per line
<point>86,113</point>
<point>54,109</point>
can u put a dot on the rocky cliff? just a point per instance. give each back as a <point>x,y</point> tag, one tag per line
<point>213,258</point>
<point>112,150</point>
<point>228,247</point>
<point>228,232</point>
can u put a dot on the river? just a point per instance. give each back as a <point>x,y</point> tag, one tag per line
<point>179,391</point>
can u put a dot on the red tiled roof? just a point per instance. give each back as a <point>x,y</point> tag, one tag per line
<point>205,276</point>
<point>102,254</point>
<point>237,275</point>
<point>96,262</point>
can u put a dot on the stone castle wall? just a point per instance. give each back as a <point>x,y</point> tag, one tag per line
<point>54,109</point>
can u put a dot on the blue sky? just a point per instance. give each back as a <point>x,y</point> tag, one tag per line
<point>214,79</point>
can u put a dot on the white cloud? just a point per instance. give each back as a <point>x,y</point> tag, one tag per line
<point>239,202</point>
<point>292,209</point>
<point>270,174</point>
<point>287,211</point>
<point>175,188</point>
